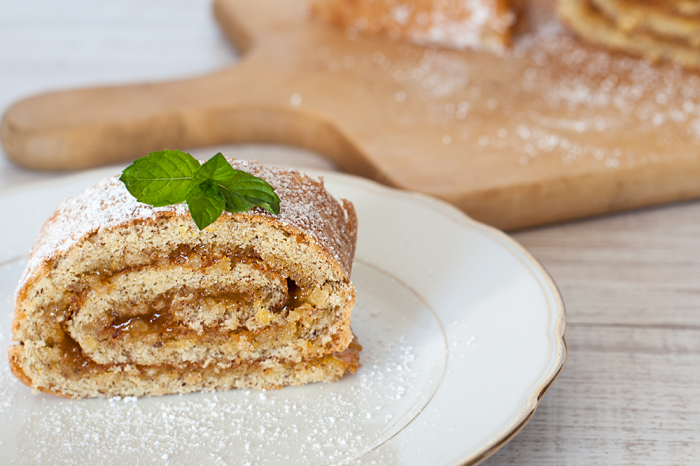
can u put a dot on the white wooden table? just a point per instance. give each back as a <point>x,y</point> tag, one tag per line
<point>630,390</point>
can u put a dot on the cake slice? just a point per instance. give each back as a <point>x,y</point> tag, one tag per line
<point>123,299</point>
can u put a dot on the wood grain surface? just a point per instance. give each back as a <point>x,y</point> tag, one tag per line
<point>629,393</point>
<point>627,396</point>
<point>549,131</point>
<point>630,390</point>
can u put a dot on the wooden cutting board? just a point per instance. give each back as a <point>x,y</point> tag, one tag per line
<point>551,130</point>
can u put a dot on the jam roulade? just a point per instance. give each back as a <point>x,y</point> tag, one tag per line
<point>120,298</point>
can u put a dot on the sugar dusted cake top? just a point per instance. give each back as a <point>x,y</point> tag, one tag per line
<point>108,203</point>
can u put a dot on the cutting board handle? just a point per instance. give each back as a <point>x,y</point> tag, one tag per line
<point>92,127</point>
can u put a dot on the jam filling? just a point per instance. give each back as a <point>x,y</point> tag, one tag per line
<point>159,318</point>
<point>155,322</point>
<point>159,321</point>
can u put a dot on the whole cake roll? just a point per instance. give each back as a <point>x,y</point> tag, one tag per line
<point>120,298</point>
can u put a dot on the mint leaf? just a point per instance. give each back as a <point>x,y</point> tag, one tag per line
<point>171,177</point>
<point>161,178</point>
<point>216,168</point>
<point>242,191</point>
<point>205,203</point>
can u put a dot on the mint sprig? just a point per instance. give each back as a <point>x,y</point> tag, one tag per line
<point>170,177</point>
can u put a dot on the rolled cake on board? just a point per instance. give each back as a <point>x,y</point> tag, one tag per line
<point>658,30</point>
<point>123,299</point>
<point>457,24</point>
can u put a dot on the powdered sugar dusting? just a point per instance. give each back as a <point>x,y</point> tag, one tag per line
<point>308,206</point>
<point>403,358</point>
<point>104,205</point>
<point>480,24</point>
<point>550,99</point>
<point>304,205</point>
<point>467,30</point>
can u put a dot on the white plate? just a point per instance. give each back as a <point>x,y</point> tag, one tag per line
<point>463,332</point>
